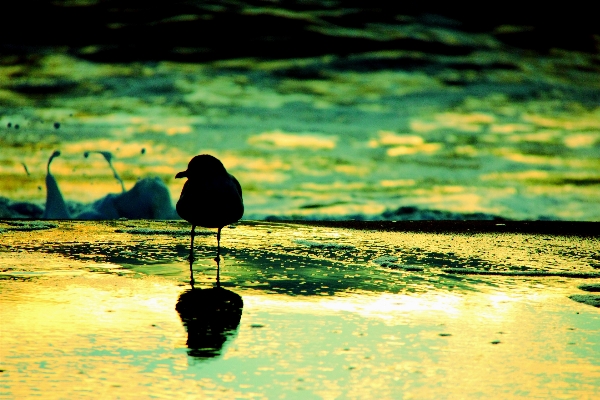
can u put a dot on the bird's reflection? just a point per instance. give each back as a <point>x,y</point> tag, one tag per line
<point>210,316</point>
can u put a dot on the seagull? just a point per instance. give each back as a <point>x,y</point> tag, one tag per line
<point>210,198</point>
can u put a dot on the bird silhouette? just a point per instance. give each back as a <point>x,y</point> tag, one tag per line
<point>210,198</point>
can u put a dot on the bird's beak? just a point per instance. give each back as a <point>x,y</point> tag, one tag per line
<point>182,174</point>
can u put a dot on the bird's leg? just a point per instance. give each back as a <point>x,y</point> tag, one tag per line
<point>191,257</point>
<point>218,257</point>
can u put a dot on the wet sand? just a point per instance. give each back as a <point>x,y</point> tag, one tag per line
<point>88,311</point>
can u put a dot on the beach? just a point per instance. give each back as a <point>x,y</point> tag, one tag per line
<point>412,311</point>
<point>420,188</point>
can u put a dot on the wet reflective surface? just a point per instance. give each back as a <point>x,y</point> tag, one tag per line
<point>89,310</point>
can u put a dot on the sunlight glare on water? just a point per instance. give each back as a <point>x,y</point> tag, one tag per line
<point>327,313</point>
<point>82,338</point>
<point>348,144</point>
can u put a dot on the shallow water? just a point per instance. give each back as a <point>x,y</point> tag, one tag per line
<point>88,310</point>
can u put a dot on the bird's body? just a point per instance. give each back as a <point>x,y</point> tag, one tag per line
<point>211,198</point>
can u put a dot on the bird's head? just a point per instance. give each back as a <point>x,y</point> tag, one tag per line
<point>203,164</point>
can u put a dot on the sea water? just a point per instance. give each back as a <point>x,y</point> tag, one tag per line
<point>495,132</point>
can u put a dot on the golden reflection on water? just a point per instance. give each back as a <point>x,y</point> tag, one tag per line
<point>446,126</point>
<point>280,139</point>
<point>451,342</point>
<point>471,122</point>
<point>366,175</point>
<point>99,334</point>
<point>87,331</point>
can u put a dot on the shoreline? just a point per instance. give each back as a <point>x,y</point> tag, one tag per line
<point>328,311</point>
<point>564,228</point>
